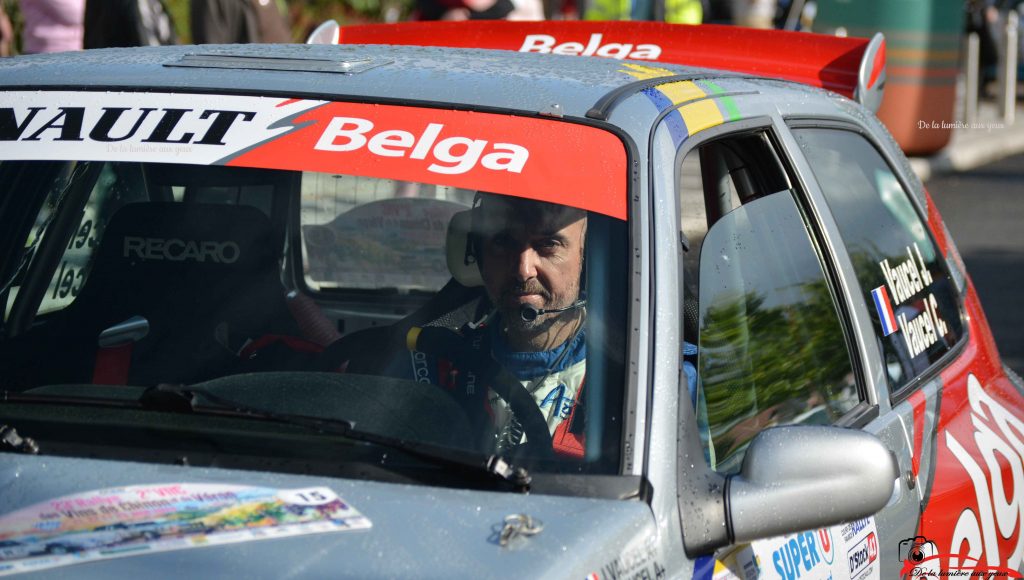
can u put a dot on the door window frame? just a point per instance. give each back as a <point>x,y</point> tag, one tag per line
<point>823,236</point>
<point>917,199</point>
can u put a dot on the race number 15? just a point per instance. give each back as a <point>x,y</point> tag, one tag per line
<point>308,496</point>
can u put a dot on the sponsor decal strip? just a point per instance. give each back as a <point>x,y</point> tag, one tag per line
<point>507,154</point>
<point>848,551</point>
<point>995,471</point>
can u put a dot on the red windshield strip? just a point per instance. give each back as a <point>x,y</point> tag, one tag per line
<point>541,159</point>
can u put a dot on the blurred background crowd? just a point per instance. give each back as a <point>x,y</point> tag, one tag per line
<point>32,26</point>
<point>928,59</point>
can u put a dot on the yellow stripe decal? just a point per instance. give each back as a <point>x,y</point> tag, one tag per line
<point>701,115</point>
<point>643,72</point>
<point>681,92</point>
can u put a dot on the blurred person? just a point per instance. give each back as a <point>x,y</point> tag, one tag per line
<point>982,18</point>
<point>754,13</point>
<point>6,34</point>
<point>718,12</point>
<point>479,10</point>
<point>238,21</point>
<point>110,23</point>
<point>674,11</point>
<point>52,25</point>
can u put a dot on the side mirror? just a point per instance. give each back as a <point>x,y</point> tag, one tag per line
<point>798,478</point>
<point>793,478</point>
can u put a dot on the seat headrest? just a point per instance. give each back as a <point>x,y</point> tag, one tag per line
<point>168,247</point>
<point>166,234</point>
<point>459,228</point>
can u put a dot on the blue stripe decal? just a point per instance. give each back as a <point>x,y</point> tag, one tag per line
<point>674,120</point>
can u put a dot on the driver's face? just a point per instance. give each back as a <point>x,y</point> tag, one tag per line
<point>532,253</point>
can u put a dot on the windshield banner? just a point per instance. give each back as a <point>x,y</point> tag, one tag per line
<point>143,519</point>
<point>534,157</point>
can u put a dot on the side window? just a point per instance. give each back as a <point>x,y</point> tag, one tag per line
<point>771,349</point>
<point>908,289</point>
<point>116,185</point>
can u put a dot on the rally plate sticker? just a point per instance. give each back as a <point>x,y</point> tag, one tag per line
<point>142,519</point>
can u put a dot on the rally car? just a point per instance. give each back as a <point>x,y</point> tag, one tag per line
<point>212,257</point>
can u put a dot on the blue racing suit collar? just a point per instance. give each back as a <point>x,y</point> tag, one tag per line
<point>530,365</point>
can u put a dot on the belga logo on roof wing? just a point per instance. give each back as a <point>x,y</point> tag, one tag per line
<point>451,155</point>
<point>545,44</point>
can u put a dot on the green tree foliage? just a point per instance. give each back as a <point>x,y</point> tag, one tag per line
<point>763,366</point>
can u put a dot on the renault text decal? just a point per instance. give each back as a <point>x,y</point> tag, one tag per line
<point>107,126</point>
<point>115,124</point>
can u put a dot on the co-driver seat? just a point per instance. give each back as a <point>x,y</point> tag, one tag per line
<point>190,282</point>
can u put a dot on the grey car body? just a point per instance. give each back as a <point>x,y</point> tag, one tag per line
<point>666,511</point>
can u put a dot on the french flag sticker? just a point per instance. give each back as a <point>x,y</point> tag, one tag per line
<point>885,313</point>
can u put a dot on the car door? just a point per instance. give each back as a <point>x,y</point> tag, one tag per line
<point>940,373</point>
<point>772,337</point>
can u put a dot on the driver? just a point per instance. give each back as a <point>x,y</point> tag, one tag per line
<point>530,321</point>
<point>531,258</point>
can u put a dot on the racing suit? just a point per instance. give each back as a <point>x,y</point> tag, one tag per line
<point>555,379</point>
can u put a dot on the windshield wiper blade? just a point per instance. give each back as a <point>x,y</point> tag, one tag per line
<point>491,465</point>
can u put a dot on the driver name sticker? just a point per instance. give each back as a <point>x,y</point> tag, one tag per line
<point>916,316</point>
<point>141,519</point>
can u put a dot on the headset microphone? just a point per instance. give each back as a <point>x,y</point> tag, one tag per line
<point>530,313</point>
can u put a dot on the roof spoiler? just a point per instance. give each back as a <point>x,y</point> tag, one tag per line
<point>853,67</point>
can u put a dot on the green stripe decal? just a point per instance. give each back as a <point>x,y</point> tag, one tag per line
<point>732,112</point>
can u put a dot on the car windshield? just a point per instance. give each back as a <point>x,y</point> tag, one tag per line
<point>429,276</point>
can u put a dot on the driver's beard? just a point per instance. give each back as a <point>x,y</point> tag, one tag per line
<point>544,332</point>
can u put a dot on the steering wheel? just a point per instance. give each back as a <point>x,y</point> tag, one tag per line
<point>368,352</point>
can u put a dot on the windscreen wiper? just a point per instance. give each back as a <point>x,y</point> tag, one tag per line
<point>491,465</point>
<point>11,441</point>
